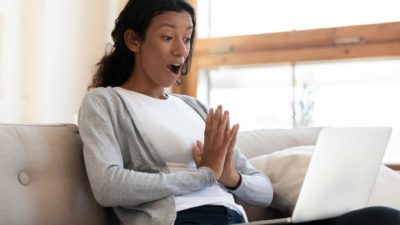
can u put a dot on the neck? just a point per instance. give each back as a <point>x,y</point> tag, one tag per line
<point>133,84</point>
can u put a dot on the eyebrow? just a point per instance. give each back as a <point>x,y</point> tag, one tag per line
<point>173,26</point>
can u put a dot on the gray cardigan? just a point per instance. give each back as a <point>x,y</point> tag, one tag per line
<point>125,171</point>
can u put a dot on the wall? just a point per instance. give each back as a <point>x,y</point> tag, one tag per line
<point>9,89</point>
<point>53,46</point>
<point>1,52</point>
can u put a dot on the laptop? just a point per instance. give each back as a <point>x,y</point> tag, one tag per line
<point>341,174</point>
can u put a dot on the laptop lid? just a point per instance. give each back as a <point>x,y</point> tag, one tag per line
<point>342,172</point>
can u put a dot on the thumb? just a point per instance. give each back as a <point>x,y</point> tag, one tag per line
<point>232,143</point>
<point>197,155</point>
<point>199,145</point>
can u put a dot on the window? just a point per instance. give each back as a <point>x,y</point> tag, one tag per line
<point>341,93</point>
<point>341,69</point>
<point>351,93</point>
<point>362,92</point>
<point>260,16</point>
<point>258,97</point>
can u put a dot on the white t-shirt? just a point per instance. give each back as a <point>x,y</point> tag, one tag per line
<point>172,127</point>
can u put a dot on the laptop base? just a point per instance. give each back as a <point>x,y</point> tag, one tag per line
<point>272,221</point>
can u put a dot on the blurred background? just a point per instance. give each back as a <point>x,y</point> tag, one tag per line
<point>48,49</point>
<point>272,64</point>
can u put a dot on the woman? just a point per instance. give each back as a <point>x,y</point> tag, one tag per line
<point>138,139</point>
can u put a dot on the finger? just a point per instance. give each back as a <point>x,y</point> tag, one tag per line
<point>236,131</point>
<point>232,143</point>
<point>216,118</point>
<point>231,135</point>
<point>210,115</point>
<point>213,132</point>
<point>197,155</point>
<point>222,126</point>
<point>208,127</point>
<point>199,145</point>
<point>228,126</point>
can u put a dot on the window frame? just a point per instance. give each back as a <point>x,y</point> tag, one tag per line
<point>349,42</point>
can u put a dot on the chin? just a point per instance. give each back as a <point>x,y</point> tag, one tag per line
<point>168,84</point>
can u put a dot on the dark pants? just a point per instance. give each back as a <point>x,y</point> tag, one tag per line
<point>208,215</point>
<point>219,215</point>
<point>365,216</point>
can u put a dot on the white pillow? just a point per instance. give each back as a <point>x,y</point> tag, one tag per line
<point>287,168</point>
<point>387,189</point>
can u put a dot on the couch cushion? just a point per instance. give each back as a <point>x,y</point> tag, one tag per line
<point>261,142</point>
<point>43,178</point>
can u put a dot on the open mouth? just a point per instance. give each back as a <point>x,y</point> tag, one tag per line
<point>175,68</point>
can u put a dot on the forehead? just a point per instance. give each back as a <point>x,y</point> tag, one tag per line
<point>180,20</point>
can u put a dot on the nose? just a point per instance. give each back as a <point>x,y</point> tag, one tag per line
<point>180,49</point>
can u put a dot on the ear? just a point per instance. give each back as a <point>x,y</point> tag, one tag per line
<point>132,40</point>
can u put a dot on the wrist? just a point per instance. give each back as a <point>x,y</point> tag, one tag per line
<point>233,181</point>
<point>213,177</point>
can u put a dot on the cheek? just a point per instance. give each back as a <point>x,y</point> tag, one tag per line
<point>155,52</point>
<point>188,50</point>
<point>153,62</point>
<point>149,57</point>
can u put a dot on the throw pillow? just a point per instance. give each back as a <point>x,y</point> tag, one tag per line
<point>286,170</point>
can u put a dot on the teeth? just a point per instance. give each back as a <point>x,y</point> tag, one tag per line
<point>176,64</point>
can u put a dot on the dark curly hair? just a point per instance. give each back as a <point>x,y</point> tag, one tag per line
<point>116,66</point>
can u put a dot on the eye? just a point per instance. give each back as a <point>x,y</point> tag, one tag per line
<point>187,40</point>
<point>166,38</point>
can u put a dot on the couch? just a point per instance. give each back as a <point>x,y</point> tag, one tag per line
<point>43,178</point>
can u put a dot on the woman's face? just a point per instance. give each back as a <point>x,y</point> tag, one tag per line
<point>164,49</point>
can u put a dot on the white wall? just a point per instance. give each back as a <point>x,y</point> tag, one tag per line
<point>9,70</point>
<point>51,47</point>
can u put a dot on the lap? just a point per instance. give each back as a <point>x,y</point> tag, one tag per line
<point>208,215</point>
<point>365,216</point>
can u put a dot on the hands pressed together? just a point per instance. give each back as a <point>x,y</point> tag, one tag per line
<point>217,153</point>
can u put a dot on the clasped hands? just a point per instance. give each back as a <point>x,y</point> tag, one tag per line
<point>217,152</point>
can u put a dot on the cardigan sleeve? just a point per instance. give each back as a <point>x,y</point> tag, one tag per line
<point>254,188</point>
<point>111,183</point>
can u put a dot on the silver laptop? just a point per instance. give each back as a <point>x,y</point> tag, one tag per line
<point>341,174</point>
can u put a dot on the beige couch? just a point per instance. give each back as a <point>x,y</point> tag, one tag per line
<point>43,178</point>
